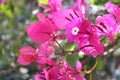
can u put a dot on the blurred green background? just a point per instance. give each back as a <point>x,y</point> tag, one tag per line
<point>16,14</point>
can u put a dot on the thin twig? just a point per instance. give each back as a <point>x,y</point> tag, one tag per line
<point>92,69</point>
<point>59,46</point>
<point>91,76</point>
<point>73,51</point>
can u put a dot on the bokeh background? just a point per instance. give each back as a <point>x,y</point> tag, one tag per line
<point>16,14</point>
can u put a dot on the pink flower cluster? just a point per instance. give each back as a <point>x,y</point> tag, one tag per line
<point>76,28</point>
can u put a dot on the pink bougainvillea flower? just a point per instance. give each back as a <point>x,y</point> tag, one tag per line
<point>68,73</point>
<point>106,25</point>
<point>81,32</point>
<point>40,31</point>
<point>91,44</point>
<point>52,6</point>
<point>63,17</point>
<point>39,76</point>
<point>2,1</point>
<point>52,73</point>
<point>27,55</point>
<point>73,28</point>
<point>45,49</point>
<point>60,72</point>
<point>44,53</point>
<point>113,9</point>
<point>49,73</point>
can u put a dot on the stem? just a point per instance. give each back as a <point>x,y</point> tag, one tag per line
<point>92,69</point>
<point>75,50</point>
<point>54,37</point>
<point>91,76</point>
<point>59,46</point>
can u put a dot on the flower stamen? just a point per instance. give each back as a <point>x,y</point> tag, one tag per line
<point>75,30</point>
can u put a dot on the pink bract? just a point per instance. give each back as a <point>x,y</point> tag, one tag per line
<point>63,17</point>
<point>60,72</point>
<point>106,25</point>
<point>51,73</point>
<point>40,31</point>
<point>27,55</point>
<point>68,73</point>
<point>86,39</point>
<point>79,66</point>
<point>44,53</point>
<point>52,6</point>
<point>90,45</point>
<point>39,76</point>
<point>76,23</point>
<point>113,9</point>
<point>45,49</point>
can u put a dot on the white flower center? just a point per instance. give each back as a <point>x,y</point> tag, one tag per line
<point>75,30</point>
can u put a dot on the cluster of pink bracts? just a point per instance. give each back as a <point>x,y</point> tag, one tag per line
<point>76,28</point>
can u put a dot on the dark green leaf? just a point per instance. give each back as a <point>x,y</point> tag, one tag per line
<point>72,59</point>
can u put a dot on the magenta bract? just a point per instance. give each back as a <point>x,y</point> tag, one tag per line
<point>54,5</point>
<point>81,32</point>
<point>63,17</point>
<point>106,25</point>
<point>113,9</point>
<point>27,55</point>
<point>40,31</point>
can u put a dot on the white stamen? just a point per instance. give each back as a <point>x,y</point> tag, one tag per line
<point>75,30</point>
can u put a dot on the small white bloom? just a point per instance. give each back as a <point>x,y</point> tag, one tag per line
<point>75,30</point>
<point>23,70</point>
<point>81,53</point>
<point>34,12</point>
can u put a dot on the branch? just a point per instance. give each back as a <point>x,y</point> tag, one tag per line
<point>92,69</point>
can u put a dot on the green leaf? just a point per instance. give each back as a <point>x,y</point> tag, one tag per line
<point>100,66</point>
<point>45,2</point>
<point>6,11</point>
<point>69,46</point>
<point>98,2</point>
<point>116,1</point>
<point>72,59</point>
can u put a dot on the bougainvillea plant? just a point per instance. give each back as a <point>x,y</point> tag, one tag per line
<point>64,35</point>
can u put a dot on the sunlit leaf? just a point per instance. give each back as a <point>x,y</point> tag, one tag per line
<point>69,46</point>
<point>43,2</point>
